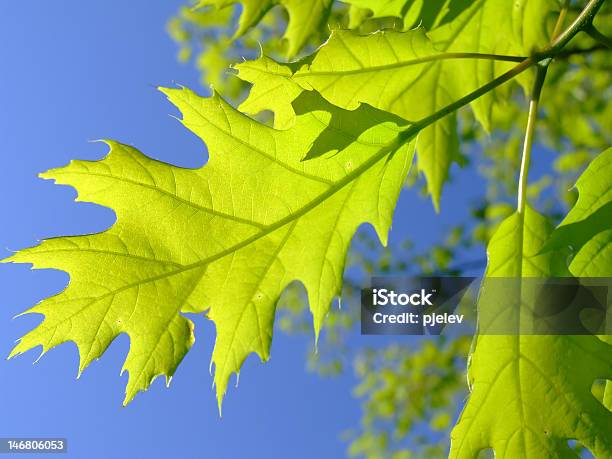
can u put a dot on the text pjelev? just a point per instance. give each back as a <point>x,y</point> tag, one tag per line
<point>384,297</point>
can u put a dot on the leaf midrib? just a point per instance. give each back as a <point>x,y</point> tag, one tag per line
<point>375,68</point>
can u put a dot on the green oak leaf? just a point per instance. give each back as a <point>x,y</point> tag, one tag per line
<point>381,8</point>
<point>411,74</point>
<point>305,17</point>
<point>587,228</point>
<point>425,13</point>
<point>531,394</point>
<point>225,239</point>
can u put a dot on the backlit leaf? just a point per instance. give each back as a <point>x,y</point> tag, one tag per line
<point>531,394</point>
<point>226,238</point>
<point>411,74</point>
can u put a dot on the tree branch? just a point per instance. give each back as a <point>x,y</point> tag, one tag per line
<point>582,21</point>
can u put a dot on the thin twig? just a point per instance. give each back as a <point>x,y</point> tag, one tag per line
<point>598,36</point>
<point>582,21</point>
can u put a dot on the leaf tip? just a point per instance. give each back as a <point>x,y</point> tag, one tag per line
<point>167,91</point>
<point>21,348</point>
<point>317,333</point>
<point>40,356</point>
<point>14,353</point>
<point>220,403</point>
<point>32,310</point>
<point>12,258</point>
<point>175,93</point>
<point>48,174</point>
<point>129,396</point>
<point>435,200</point>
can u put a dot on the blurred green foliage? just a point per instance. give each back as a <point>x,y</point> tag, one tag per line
<point>409,398</point>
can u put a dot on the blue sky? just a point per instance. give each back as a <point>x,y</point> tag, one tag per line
<point>75,71</point>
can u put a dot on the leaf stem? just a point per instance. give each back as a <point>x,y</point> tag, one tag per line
<point>529,133</point>
<point>560,19</point>
<point>584,22</point>
<point>510,74</point>
<point>598,36</point>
